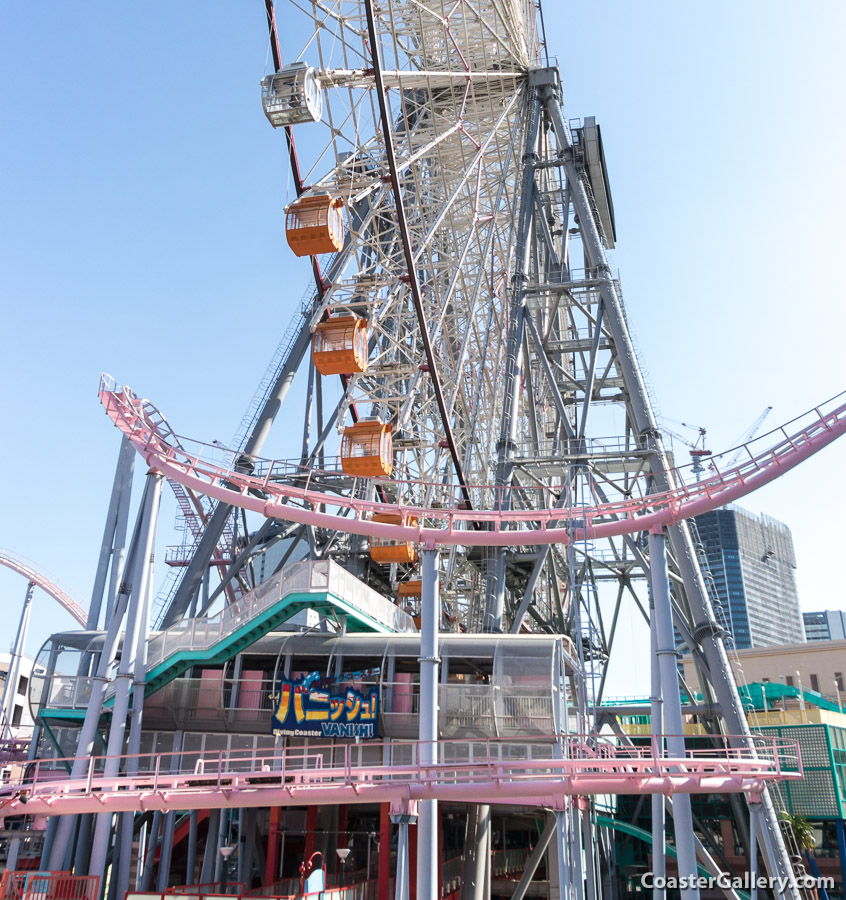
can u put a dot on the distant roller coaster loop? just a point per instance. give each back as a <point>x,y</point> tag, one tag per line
<point>284,491</point>
<point>27,569</point>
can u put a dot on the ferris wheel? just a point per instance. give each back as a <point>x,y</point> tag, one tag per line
<point>457,227</point>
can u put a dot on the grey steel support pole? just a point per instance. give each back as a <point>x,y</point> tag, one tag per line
<point>222,836</point>
<point>611,887</point>
<point>134,743</point>
<point>659,582</point>
<point>709,634</point>
<point>246,843</point>
<point>150,857</point>
<point>469,869</point>
<point>126,670</point>
<point>61,836</point>
<point>191,861</point>
<point>577,875</point>
<point>562,848</point>
<point>210,851</point>
<point>753,850</point>
<point>427,821</point>
<point>111,893</point>
<point>49,840</point>
<point>588,837</point>
<point>488,856</point>
<point>82,855</point>
<point>243,831</point>
<point>401,883</point>
<point>14,671</point>
<point>707,630</point>
<point>481,881</point>
<point>307,417</point>
<point>52,823</point>
<point>506,446</point>
<point>143,835</point>
<point>166,853</point>
<point>534,859</point>
<point>122,483</point>
<point>119,560</point>
<point>12,855</point>
<point>659,836</point>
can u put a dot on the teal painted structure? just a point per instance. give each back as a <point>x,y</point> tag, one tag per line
<point>763,695</point>
<point>643,835</point>
<point>322,586</point>
<point>230,645</point>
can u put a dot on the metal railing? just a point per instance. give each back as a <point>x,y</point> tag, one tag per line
<point>48,886</point>
<point>533,508</point>
<point>322,576</point>
<point>69,692</point>
<point>459,763</point>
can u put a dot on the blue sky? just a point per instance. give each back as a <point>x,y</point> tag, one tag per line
<point>142,234</point>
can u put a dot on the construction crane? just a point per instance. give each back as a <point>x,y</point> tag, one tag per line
<point>698,451</point>
<point>747,436</point>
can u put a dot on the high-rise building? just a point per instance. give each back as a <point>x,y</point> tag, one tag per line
<point>18,705</point>
<point>828,625</point>
<point>752,562</point>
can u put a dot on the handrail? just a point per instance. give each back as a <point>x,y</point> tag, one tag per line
<point>305,576</point>
<point>211,471</point>
<point>485,770</point>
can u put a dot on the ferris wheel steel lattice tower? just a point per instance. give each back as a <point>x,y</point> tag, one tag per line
<point>457,227</point>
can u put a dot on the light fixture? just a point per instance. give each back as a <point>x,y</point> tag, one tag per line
<point>225,851</point>
<point>343,853</point>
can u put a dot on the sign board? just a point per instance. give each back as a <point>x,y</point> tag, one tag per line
<point>310,707</point>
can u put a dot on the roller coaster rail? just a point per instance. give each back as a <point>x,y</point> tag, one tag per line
<point>282,490</point>
<point>486,770</point>
<point>27,568</point>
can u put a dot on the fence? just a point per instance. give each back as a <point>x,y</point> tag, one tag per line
<point>48,886</point>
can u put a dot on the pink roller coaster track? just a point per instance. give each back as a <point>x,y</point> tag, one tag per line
<point>490,771</point>
<point>27,569</point>
<point>284,491</point>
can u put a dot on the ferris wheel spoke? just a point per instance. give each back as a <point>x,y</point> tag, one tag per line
<point>454,111</point>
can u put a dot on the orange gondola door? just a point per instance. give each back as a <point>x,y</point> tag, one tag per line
<point>387,550</point>
<point>367,449</point>
<point>408,599</point>
<point>314,223</point>
<point>339,345</point>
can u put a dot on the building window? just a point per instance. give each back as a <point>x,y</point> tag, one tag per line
<point>788,680</point>
<point>838,680</point>
<point>16,715</point>
<point>815,683</point>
